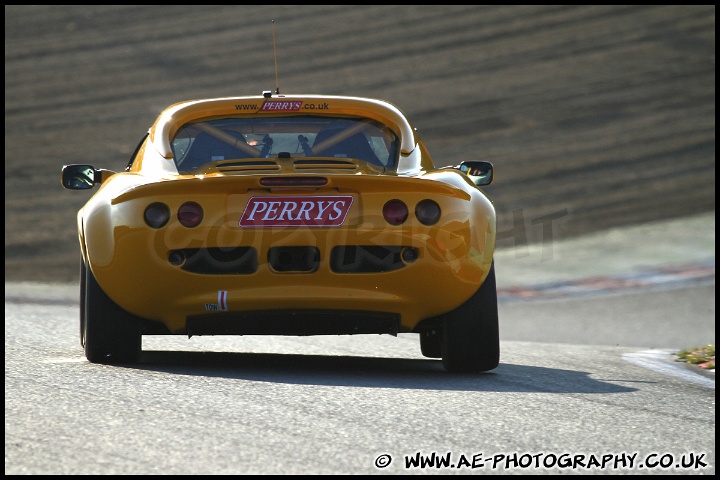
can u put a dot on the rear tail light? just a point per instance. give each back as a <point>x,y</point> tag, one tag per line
<point>395,212</point>
<point>190,214</point>
<point>427,212</point>
<point>293,181</point>
<point>157,215</point>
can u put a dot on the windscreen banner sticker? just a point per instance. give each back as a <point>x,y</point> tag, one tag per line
<point>286,106</point>
<point>281,106</point>
<point>320,211</point>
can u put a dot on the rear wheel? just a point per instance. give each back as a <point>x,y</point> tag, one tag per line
<point>431,343</point>
<point>109,334</point>
<point>82,303</point>
<point>470,338</point>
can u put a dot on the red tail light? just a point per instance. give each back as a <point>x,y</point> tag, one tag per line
<point>395,212</point>
<point>190,214</point>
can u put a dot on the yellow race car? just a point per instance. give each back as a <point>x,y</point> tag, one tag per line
<point>287,215</point>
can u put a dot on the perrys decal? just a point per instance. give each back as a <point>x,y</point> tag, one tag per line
<point>221,304</point>
<point>285,106</point>
<point>281,105</point>
<point>321,211</point>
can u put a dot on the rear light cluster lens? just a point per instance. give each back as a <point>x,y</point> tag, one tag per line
<point>395,212</point>
<point>157,214</point>
<point>426,211</point>
<point>293,181</point>
<point>190,214</point>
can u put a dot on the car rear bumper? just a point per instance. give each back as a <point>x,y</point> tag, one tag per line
<point>347,272</point>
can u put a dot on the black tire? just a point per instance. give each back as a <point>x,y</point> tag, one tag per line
<point>82,303</point>
<point>109,333</point>
<point>431,343</point>
<point>471,338</point>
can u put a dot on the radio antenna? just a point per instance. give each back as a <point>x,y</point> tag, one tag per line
<point>277,82</point>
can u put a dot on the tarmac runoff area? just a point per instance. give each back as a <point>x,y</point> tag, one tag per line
<point>656,255</point>
<point>650,257</point>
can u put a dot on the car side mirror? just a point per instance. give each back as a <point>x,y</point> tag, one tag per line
<point>480,172</point>
<point>79,177</point>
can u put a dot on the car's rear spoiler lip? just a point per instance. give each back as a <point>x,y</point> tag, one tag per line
<point>230,185</point>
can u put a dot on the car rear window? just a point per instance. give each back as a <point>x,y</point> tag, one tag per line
<point>199,143</point>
